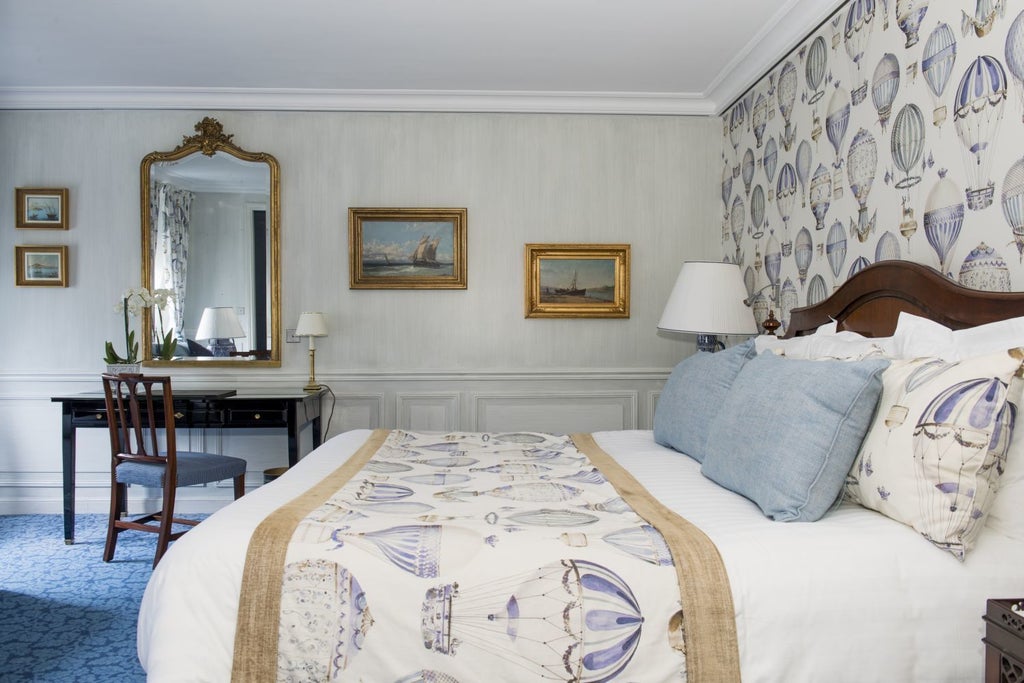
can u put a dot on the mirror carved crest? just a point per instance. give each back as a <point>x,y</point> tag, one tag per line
<point>211,243</point>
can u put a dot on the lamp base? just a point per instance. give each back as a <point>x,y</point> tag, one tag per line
<point>312,388</point>
<point>709,343</point>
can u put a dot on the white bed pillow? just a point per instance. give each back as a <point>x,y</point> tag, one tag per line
<point>1007,513</point>
<point>934,453</point>
<point>917,337</point>
<point>845,345</point>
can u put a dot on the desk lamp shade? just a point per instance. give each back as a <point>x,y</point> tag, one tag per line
<point>311,324</point>
<point>708,300</point>
<point>220,325</point>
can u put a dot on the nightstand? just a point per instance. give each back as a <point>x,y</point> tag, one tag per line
<point>1004,642</point>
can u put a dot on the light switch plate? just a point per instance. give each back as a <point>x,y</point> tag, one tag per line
<point>289,336</point>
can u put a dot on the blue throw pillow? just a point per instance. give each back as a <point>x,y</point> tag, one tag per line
<point>692,396</point>
<point>789,430</point>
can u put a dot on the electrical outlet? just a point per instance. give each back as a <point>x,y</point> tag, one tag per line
<point>289,336</point>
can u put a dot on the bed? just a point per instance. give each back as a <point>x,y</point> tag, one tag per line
<point>858,594</point>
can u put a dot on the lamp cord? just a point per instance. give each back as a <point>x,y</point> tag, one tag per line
<point>334,401</point>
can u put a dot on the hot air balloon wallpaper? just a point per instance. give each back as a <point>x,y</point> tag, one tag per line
<point>917,76</point>
<point>909,14</point>
<point>814,69</point>
<point>977,113</point>
<point>1014,53</point>
<point>747,169</point>
<point>884,85</point>
<point>787,98</point>
<point>860,20</point>
<point>1013,204</point>
<point>937,66</point>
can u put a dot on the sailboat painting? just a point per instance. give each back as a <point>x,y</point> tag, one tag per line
<point>407,248</point>
<point>577,280</point>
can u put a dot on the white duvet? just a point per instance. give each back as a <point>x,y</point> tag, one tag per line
<point>852,597</point>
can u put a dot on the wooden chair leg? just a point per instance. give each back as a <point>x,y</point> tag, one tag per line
<point>239,486</point>
<point>118,496</point>
<point>166,520</point>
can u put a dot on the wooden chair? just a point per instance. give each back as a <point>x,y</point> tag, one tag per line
<point>137,407</point>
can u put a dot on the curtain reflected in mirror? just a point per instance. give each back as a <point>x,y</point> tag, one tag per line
<point>210,241</point>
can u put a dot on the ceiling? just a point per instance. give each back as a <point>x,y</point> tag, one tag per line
<point>592,56</point>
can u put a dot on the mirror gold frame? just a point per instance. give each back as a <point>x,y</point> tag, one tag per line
<point>208,140</point>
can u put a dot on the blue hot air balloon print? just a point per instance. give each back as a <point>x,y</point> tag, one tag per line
<point>788,300</point>
<point>773,260</point>
<point>817,290</point>
<point>737,219</point>
<point>1015,56</point>
<point>985,269</point>
<point>814,68</point>
<point>888,247</point>
<point>836,121</point>
<point>427,676</point>
<point>1013,203</point>
<point>770,160</point>
<point>726,188</point>
<point>760,117</point>
<point>859,264</point>
<point>907,143</point>
<point>786,94</point>
<point>572,615</point>
<point>977,112</point>
<point>749,281</point>
<point>943,218</point>
<point>984,17</point>
<point>377,492</point>
<point>964,428</point>
<point>643,542</point>
<point>909,14</point>
<point>884,85</point>
<point>757,211</point>
<point>737,119</point>
<point>423,550</point>
<point>856,34</point>
<point>803,168</point>
<point>835,248</point>
<point>803,253</point>
<point>861,163</point>
<point>785,192</point>
<point>821,195</point>
<point>937,66</point>
<point>747,169</point>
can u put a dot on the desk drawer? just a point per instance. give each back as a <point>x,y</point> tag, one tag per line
<point>85,416</point>
<point>265,416</point>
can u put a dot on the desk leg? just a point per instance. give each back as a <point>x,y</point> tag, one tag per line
<point>293,435</point>
<point>68,457</point>
<point>317,437</point>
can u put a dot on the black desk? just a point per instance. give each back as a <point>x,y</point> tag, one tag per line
<point>195,409</point>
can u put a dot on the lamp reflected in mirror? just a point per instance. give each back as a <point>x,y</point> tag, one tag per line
<point>221,326</point>
<point>311,324</point>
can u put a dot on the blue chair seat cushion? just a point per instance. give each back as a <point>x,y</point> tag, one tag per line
<point>193,468</point>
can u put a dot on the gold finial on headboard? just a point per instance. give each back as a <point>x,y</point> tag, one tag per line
<point>771,324</point>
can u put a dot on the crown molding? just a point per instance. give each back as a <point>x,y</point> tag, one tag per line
<point>288,99</point>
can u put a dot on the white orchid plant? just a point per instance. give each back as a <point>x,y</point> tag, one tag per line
<point>132,303</point>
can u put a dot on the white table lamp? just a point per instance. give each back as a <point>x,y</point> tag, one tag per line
<point>708,300</point>
<point>220,325</point>
<point>312,325</point>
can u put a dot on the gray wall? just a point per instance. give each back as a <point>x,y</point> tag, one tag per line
<point>419,359</point>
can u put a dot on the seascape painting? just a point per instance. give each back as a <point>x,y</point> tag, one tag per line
<point>407,248</point>
<point>565,281</point>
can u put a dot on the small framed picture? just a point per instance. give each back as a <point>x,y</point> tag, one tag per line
<point>407,248</point>
<point>45,209</point>
<point>38,266</point>
<point>577,280</point>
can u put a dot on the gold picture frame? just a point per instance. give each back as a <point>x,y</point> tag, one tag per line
<point>41,208</point>
<point>41,266</point>
<point>577,280</point>
<point>407,248</point>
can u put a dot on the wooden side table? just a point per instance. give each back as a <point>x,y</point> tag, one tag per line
<point>1004,641</point>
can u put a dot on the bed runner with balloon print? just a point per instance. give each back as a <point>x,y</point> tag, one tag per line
<point>448,557</point>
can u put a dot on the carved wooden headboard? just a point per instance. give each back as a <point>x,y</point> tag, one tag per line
<point>870,302</point>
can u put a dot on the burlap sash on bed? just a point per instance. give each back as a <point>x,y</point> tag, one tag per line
<point>709,626</point>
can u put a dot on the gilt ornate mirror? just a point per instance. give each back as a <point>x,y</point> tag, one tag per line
<point>211,247</point>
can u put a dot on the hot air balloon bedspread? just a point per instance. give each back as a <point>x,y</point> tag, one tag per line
<point>889,584</point>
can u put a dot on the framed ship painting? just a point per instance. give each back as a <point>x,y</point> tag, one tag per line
<point>41,208</point>
<point>577,280</point>
<point>38,266</point>
<point>407,248</point>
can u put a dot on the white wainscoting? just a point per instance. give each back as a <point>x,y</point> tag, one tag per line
<point>549,401</point>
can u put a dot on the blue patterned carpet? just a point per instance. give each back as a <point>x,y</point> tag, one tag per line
<point>65,615</point>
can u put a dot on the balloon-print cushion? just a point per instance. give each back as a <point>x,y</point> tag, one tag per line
<point>692,396</point>
<point>938,445</point>
<point>789,429</point>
